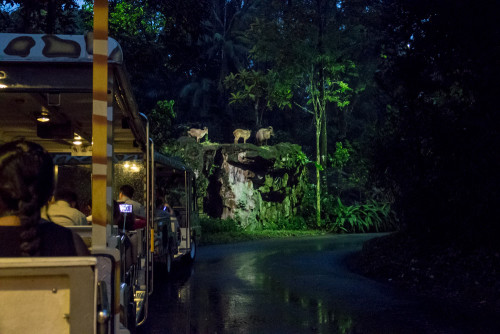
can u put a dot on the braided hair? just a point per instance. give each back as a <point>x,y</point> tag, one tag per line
<point>26,184</point>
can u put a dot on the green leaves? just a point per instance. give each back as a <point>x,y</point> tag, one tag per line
<point>162,117</point>
<point>340,157</point>
<point>259,88</point>
<point>369,217</point>
<point>302,158</point>
<point>135,20</point>
<point>246,85</point>
<point>318,166</point>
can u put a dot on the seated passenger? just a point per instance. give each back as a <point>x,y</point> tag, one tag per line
<point>125,196</point>
<point>63,211</point>
<point>163,209</point>
<point>168,208</point>
<point>88,213</point>
<point>26,184</point>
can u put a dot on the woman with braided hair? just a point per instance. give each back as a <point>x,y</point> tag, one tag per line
<point>26,185</point>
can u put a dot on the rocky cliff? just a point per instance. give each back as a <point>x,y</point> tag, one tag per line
<point>254,185</point>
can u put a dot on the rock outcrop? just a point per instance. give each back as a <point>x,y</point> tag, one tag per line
<point>251,184</point>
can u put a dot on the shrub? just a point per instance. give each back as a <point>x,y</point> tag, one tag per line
<point>308,207</point>
<point>217,225</point>
<point>293,223</point>
<point>369,217</point>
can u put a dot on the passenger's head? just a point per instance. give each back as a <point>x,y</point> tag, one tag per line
<point>127,190</point>
<point>26,185</point>
<point>66,195</point>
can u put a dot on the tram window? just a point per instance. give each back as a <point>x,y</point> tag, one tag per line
<point>171,184</point>
<point>132,173</point>
<point>78,177</point>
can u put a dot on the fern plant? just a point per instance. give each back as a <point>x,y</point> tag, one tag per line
<point>369,217</point>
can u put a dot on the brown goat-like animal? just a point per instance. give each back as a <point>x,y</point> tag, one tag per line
<point>264,134</point>
<point>198,133</point>
<point>240,133</point>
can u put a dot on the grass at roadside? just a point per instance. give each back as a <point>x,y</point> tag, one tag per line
<point>240,236</point>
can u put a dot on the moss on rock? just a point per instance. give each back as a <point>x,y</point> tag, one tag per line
<point>251,184</point>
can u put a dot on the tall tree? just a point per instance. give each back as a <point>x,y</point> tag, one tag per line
<point>225,50</point>
<point>292,38</point>
<point>249,86</point>
<point>159,41</point>
<point>48,16</point>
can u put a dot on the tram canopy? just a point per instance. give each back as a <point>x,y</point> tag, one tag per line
<point>46,93</point>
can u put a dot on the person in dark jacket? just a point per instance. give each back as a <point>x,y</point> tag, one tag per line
<point>26,185</point>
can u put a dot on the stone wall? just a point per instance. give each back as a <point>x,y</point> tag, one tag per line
<point>251,184</point>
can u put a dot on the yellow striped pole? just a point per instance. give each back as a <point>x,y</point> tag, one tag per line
<point>102,147</point>
<point>102,118</point>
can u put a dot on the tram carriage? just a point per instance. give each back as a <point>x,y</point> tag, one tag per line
<point>46,96</point>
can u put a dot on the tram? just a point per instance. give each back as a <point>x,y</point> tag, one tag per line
<point>47,95</point>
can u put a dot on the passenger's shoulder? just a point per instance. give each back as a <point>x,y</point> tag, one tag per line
<point>78,213</point>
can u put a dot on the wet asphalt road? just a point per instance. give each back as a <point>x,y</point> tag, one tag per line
<point>298,285</point>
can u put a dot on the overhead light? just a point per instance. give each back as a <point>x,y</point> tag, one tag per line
<point>77,140</point>
<point>131,167</point>
<point>3,75</point>
<point>43,117</point>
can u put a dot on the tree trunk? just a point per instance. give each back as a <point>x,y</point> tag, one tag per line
<point>318,176</point>
<point>256,110</point>
<point>323,147</point>
<point>320,10</point>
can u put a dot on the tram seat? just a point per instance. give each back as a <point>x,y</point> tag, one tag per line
<point>133,246</point>
<point>126,250</point>
<point>138,242</point>
<point>85,232</point>
<point>107,270</point>
<point>48,295</point>
<point>128,244</point>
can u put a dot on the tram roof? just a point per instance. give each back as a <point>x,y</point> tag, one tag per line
<point>53,74</point>
<point>171,162</point>
<point>54,48</point>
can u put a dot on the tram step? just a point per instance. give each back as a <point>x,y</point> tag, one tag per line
<point>182,252</point>
<point>139,299</point>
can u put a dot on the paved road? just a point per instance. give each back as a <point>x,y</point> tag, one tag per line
<point>298,285</point>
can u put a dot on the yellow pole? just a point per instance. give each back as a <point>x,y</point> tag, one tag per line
<point>102,118</point>
<point>102,141</point>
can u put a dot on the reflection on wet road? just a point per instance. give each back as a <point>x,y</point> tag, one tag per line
<point>290,286</point>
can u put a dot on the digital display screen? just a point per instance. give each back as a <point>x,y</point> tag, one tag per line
<point>126,208</point>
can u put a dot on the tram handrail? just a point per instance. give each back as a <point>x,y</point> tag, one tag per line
<point>104,308</point>
<point>151,206</point>
<point>148,227</point>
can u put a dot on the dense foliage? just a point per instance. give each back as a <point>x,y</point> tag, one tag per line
<point>393,100</point>
<point>438,151</point>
